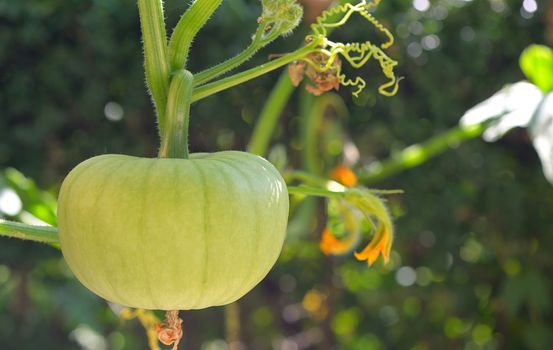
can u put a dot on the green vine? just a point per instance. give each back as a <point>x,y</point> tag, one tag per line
<point>263,130</point>
<point>419,153</point>
<point>42,234</point>
<point>240,78</point>
<point>314,126</point>
<point>279,17</point>
<point>186,29</point>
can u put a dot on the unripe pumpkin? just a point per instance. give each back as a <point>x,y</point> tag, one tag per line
<point>172,234</point>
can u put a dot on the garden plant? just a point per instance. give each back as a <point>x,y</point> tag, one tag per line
<point>153,234</point>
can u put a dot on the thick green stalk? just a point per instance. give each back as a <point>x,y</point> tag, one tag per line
<point>156,65</point>
<point>239,78</point>
<point>186,29</point>
<point>44,234</point>
<point>419,153</point>
<point>264,128</point>
<point>174,141</point>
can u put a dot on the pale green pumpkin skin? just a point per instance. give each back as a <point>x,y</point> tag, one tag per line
<point>172,234</point>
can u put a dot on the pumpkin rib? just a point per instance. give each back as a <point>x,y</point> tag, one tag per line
<point>102,186</point>
<point>254,256</point>
<point>238,290</point>
<point>121,172</point>
<point>205,205</point>
<point>223,295</point>
<point>181,173</point>
<point>177,196</point>
<point>88,275</point>
<point>141,230</point>
<point>66,192</point>
<point>262,164</point>
<point>270,173</point>
<point>129,183</point>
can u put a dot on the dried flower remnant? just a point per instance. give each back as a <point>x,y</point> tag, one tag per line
<point>169,332</point>
<point>313,67</point>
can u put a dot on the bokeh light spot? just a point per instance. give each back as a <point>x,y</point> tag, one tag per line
<point>411,306</point>
<point>530,6</point>
<point>424,276</point>
<point>388,315</point>
<point>427,239</point>
<point>430,42</point>
<point>10,204</point>
<point>4,274</point>
<point>113,111</point>
<point>481,334</point>
<point>406,276</point>
<point>471,250</point>
<point>511,267</point>
<point>421,5</point>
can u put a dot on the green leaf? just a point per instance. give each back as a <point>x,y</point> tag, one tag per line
<point>536,61</point>
<point>41,204</point>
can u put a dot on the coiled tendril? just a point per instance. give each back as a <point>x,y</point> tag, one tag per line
<point>356,54</point>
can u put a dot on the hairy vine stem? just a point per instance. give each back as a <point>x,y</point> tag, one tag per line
<point>186,29</point>
<point>43,234</point>
<point>239,78</point>
<point>233,62</point>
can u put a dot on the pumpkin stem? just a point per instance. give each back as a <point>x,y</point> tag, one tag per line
<point>169,332</point>
<point>174,139</point>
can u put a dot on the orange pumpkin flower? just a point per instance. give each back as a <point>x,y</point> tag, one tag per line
<point>373,207</point>
<point>361,200</point>
<point>344,175</point>
<point>381,244</point>
<point>330,245</point>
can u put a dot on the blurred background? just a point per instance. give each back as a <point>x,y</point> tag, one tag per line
<point>471,264</point>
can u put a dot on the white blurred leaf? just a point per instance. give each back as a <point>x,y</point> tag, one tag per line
<point>518,105</point>
<point>511,107</point>
<point>541,132</point>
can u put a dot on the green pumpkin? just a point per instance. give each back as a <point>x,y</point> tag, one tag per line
<point>172,234</point>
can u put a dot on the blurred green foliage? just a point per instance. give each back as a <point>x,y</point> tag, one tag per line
<point>537,64</point>
<point>471,265</point>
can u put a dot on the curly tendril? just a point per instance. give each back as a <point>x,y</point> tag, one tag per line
<point>356,54</point>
